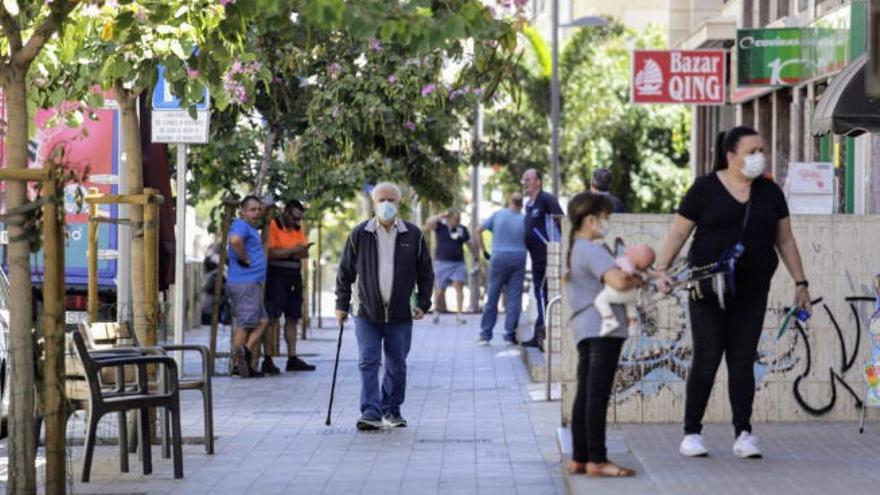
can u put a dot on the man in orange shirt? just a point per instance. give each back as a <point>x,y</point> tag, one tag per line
<point>287,247</point>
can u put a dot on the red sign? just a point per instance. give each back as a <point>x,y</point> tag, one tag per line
<point>696,77</point>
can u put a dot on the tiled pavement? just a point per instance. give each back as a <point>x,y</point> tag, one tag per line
<point>804,458</point>
<point>472,429</point>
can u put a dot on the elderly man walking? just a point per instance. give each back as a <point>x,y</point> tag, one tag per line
<point>390,259</point>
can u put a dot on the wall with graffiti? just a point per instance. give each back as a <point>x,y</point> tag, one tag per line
<point>814,370</point>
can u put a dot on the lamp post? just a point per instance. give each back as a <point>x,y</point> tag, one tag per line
<point>554,86</point>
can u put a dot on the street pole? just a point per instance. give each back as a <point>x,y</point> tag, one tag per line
<point>554,100</point>
<point>180,253</point>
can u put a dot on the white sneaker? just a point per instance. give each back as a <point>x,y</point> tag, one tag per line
<point>692,446</point>
<point>746,446</point>
<point>482,342</point>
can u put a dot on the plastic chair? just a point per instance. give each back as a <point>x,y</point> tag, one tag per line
<point>120,401</point>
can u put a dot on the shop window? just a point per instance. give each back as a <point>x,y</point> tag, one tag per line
<point>748,14</point>
<point>763,13</point>
<point>783,133</point>
<point>782,9</point>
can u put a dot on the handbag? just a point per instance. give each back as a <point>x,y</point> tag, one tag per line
<point>718,279</point>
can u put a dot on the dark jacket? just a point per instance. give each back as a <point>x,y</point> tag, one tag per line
<point>412,267</point>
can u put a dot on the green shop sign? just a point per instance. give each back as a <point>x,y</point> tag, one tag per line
<point>790,56</point>
<point>770,57</point>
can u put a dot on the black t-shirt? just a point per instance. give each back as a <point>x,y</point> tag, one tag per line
<point>719,218</point>
<point>616,204</point>
<point>450,242</point>
<point>536,218</point>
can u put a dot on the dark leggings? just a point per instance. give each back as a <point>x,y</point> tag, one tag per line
<point>595,377</point>
<point>733,333</point>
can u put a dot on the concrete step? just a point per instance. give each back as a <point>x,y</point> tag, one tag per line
<point>536,363</point>
<point>580,484</point>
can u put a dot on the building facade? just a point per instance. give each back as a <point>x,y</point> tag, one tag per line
<point>784,113</point>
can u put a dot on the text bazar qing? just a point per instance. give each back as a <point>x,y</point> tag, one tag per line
<point>689,78</point>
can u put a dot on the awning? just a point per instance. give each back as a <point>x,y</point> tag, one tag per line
<point>844,108</point>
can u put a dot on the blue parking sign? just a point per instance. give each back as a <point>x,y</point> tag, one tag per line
<point>164,99</point>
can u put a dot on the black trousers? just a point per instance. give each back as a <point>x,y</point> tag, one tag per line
<point>734,334</point>
<point>597,363</point>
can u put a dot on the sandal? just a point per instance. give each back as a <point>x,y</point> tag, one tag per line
<point>608,470</point>
<point>575,467</point>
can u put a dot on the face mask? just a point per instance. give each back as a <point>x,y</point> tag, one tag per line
<point>754,165</point>
<point>386,211</point>
<point>603,228</point>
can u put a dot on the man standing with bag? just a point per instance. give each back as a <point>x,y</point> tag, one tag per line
<point>389,258</point>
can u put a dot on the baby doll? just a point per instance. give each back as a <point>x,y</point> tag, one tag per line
<point>635,260</point>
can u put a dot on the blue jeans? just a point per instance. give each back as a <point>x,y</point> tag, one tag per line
<point>506,271</point>
<point>397,338</point>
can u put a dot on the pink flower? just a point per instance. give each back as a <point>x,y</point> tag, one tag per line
<point>392,79</point>
<point>226,2</point>
<point>478,91</point>
<point>334,69</point>
<point>192,73</point>
<point>409,125</point>
<point>375,45</point>
<point>428,89</point>
<point>456,93</point>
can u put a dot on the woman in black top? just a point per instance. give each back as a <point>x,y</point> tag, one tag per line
<point>716,206</point>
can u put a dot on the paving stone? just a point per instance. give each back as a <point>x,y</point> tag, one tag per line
<point>472,428</point>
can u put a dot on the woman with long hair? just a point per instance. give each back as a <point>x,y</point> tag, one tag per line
<point>737,214</point>
<point>590,268</point>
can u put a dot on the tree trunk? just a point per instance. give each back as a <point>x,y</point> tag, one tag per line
<point>22,444</point>
<point>266,161</point>
<point>143,323</point>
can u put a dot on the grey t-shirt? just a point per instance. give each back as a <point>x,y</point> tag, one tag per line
<point>589,261</point>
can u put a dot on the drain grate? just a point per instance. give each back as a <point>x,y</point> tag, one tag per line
<point>352,431</point>
<point>286,412</point>
<point>454,440</point>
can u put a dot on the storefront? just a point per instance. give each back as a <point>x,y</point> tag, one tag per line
<point>779,76</point>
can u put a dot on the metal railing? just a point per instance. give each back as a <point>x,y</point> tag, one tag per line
<point>4,290</point>
<point>548,315</point>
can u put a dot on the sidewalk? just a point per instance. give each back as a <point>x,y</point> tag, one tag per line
<point>472,428</point>
<point>805,458</point>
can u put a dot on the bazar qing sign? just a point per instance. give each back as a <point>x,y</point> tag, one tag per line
<point>679,76</point>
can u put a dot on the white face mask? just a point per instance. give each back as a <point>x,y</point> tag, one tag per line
<point>754,165</point>
<point>603,227</point>
<point>386,211</point>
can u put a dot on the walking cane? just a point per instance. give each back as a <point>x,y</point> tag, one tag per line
<point>335,367</point>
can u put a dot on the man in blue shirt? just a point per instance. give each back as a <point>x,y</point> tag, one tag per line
<point>541,208</point>
<point>244,284</point>
<point>507,269</point>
